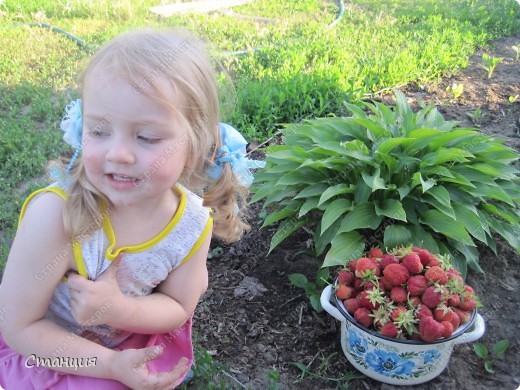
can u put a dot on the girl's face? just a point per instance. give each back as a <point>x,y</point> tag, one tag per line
<point>134,149</point>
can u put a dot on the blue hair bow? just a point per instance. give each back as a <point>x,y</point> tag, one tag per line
<point>233,151</point>
<point>72,125</point>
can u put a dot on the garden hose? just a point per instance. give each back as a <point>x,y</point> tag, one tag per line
<point>80,42</point>
<point>84,45</point>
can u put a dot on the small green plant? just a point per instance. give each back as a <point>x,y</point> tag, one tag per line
<point>274,380</point>
<point>391,177</point>
<point>517,52</point>
<point>322,374</point>
<point>498,349</point>
<point>476,117</point>
<point>312,289</point>
<point>513,99</point>
<point>455,89</point>
<point>490,63</point>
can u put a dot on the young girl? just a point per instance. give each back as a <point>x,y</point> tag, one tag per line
<point>109,262</point>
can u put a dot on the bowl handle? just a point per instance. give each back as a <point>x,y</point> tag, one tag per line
<point>478,330</point>
<point>325,303</point>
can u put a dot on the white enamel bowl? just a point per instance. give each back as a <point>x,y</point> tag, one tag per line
<point>394,361</point>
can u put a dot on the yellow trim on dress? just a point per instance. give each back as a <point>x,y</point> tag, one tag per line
<point>199,241</point>
<point>56,190</point>
<point>76,246</point>
<point>109,231</point>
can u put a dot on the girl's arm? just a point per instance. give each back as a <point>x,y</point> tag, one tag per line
<point>39,257</point>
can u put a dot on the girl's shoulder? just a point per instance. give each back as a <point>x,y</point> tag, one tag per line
<point>50,199</point>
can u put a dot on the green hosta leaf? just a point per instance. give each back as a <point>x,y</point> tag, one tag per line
<point>278,215</point>
<point>334,148</point>
<point>425,184</point>
<point>423,239</point>
<point>375,182</point>
<point>491,191</point>
<point>276,197</point>
<point>501,153</point>
<point>457,134</point>
<point>308,205</point>
<point>296,154</point>
<point>389,161</point>
<point>403,191</point>
<point>444,155</point>
<point>438,171</point>
<point>391,208</point>
<point>285,229</point>
<point>446,210</point>
<point>387,146</point>
<point>471,257</point>
<point>397,235</point>
<point>377,131</point>
<point>471,221</point>
<point>344,247</point>
<point>362,216</point>
<point>510,233</point>
<point>312,190</point>
<point>450,228</point>
<point>500,347</point>
<point>362,192</point>
<point>338,189</point>
<point>422,140</point>
<point>501,211</point>
<point>334,211</point>
<point>322,240</point>
<point>298,177</point>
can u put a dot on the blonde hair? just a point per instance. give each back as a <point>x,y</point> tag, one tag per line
<point>146,59</point>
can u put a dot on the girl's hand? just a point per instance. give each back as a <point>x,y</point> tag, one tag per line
<point>129,367</point>
<point>95,302</point>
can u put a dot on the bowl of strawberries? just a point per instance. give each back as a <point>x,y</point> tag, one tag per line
<point>402,312</point>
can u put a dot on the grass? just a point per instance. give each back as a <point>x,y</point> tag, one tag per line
<point>291,64</point>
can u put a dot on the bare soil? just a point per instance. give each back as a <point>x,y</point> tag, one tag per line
<point>255,322</point>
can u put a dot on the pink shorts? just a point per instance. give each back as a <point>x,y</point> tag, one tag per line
<point>15,375</point>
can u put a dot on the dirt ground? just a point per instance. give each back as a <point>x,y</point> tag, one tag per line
<point>254,321</point>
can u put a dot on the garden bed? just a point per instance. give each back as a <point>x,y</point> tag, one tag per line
<point>255,322</point>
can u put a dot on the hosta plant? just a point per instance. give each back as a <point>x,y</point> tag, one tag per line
<point>392,177</point>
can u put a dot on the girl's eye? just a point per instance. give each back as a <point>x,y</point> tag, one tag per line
<point>96,133</point>
<point>148,140</point>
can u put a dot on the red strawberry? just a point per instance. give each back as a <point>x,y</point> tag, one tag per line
<point>344,292</point>
<point>362,316</point>
<point>369,285</point>
<point>463,315</point>
<point>384,283</point>
<point>413,262</point>
<point>424,255</point>
<point>351,305</point>
<point>430,330</point>
<point>454,300</point>
<point>417,285</point>
<point>431,298</point>
<point>467,304</point>
<point>398,294</point>
<point>397,274</point>
<point>436,274</point>
<point>345,277</point>
<point>388,259</point>
<point>468,290</point>
<point>358,284</point>
<point>424,311</point>
<point>365,302</point>
<point>443,313</point>
<point>394,315</point>
<point>375,253</point>
<point>415,301</point>
<point>448,329</point>
<point>352,265</point>
<point>365,267</point>
<point>455,320</point>
<point>434,261</point>
<point>390,330</point>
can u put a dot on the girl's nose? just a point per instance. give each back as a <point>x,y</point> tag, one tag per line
<point>120,151</point>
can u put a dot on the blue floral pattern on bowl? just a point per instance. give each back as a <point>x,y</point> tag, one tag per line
<point>387,362</point>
